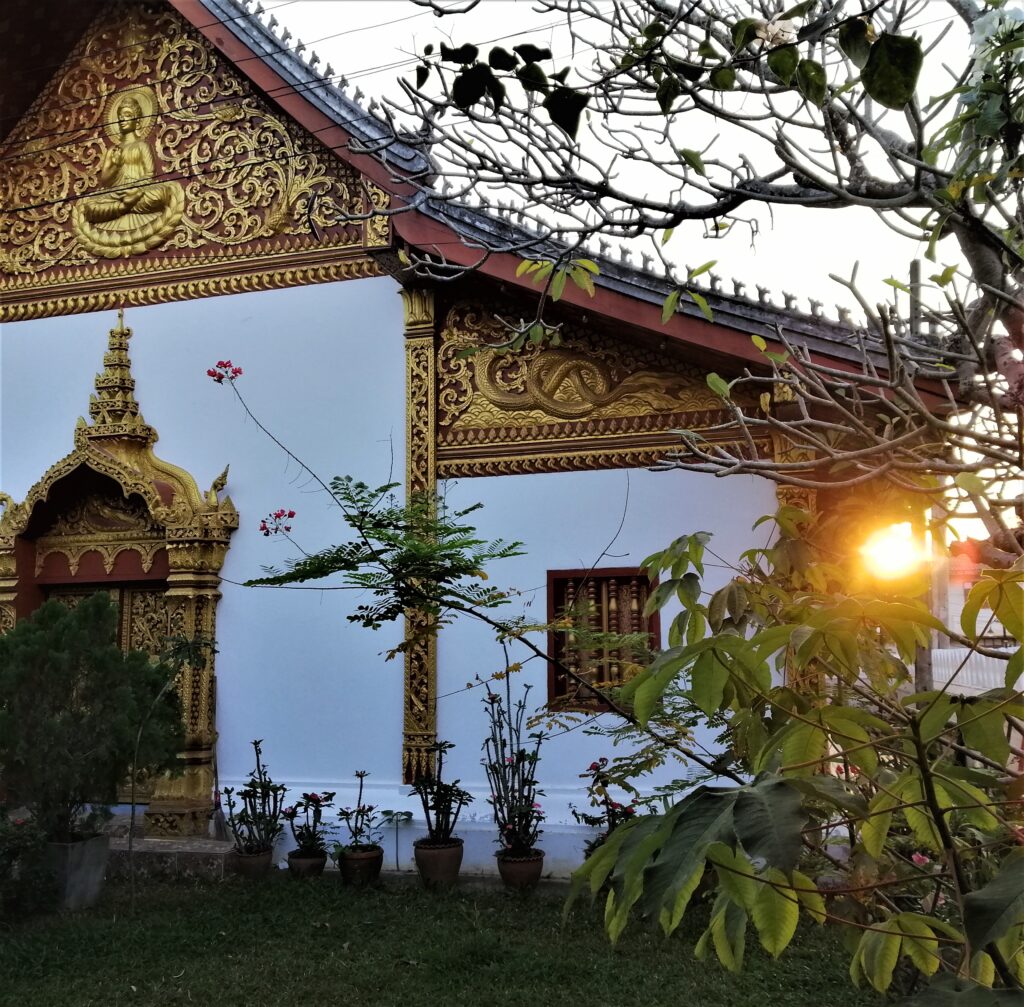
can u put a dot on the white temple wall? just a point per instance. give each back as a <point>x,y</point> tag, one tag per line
<point>324,370</point>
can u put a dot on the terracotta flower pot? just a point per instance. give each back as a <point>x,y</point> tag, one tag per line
<point>361,868</point>
<point>253,865</point>
<point>78,869</point>
<point>521,873</point>
<point>438,862</point>
<point>301,865</point>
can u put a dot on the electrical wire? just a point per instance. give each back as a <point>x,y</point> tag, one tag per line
<point>80,103</point>
<point>284,89</point>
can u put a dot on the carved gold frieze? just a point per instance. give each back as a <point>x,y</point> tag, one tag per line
<point>147,506</point>
<point>149,159</point>
<point>590,402</point>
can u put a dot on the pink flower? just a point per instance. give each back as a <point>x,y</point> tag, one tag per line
<point>920,859</point>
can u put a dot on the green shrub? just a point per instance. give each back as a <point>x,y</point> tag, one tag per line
<point>71,708</point>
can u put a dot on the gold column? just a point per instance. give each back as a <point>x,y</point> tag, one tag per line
<point>784,450</point>
<point>181,804</point>
<point>419,730</point>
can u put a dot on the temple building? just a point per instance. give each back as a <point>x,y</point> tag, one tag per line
<point>179,187</point>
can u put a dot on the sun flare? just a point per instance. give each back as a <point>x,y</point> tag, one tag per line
<point>893,552</point>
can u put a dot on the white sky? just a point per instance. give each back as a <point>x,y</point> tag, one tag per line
<point>795,251</point>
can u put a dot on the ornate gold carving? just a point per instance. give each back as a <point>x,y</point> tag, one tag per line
<point>592,402</point>
<point>160,507</point>
<point>200,166</point>
<point>420,714</point>
<point>107,525</point>
<point>132,213</point>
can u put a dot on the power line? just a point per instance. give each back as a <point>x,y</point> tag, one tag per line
<point>167,77</point>
<point>273,92</point>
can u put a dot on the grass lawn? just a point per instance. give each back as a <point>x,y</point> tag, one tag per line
<point>283,942</point>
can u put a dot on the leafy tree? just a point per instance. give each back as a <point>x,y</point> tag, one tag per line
<point>71,706</point>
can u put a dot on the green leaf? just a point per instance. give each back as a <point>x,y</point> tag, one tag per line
<point>465,54</point>
<point>920,944</point>
<point>983,727</point>
<point>892,68</point>
<point>976,598</point>
<point>589,265</point>
<point>728,932</point>
<point>776,912</point>
<point>473,83</point>
<point>530,53</point>
<point>759,342</point>
<point>533,78</point>
<point>783,62</point>
<point>695,161</point>
<point>875,827</point>
<point>722,78</point>
<point>667,234</point>
<point>743,31</point>
<point>526,266</point>
<point>897,284</point>
<point>701,303</point>
<point>671,916</point>
<point>945,277</point>
<point>854,41</point>
<point>798,11</point>
<point>768,819</point>
<point>558,285</point>
<point>803,749</point>
<point>810,897</point>
<point>668,90</point>
<point>668,309</point>
<point>701,269</point>
<point>718,385</point>
<point>502,59</point>
<point>422,75</point>
<point>735,874</point>
<point>992,910</point>
<point>565,106</point>
<point>1014,668</point>
<point>707,682</point>
<point>879,951</point>
<point>811,81</point>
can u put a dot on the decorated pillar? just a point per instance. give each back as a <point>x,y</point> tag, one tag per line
<point>419,727</point>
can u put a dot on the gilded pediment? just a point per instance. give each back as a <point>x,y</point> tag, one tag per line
<point>149,169</point>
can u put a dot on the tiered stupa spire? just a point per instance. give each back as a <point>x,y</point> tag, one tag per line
<point>113,410</point>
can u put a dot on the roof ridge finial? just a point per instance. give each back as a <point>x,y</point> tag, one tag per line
<point>113,408</point>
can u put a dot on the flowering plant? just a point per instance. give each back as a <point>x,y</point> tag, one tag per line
<point>223,371</point>
<point>275,522</point>
<point>361,822</point>
<point>258,821</point>
<point>442,802</point>
<point>610,814</point>
<point>511,764</point>
<point>309,835</point>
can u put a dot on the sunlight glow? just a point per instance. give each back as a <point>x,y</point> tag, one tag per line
<point>893,552</point>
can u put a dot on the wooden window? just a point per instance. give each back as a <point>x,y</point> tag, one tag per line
<point>604,601</point>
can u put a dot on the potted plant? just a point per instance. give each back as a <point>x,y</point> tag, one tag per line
<point>309,857</point>
<point>510,763</point>
<point>257,822</point>
<point>75,711</point>
<point>361,858</point>
<point>439,853</point>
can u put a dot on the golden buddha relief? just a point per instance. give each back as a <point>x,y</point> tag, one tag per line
<point>132,212</point>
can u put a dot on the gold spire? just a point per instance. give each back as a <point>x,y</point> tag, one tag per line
<point>113,409</point>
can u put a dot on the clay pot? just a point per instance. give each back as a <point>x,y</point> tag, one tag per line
<point>438,862</point>
<point>303,866</point>
<point>253,865</point>
<point>521,873</point>
<point>361,868</point>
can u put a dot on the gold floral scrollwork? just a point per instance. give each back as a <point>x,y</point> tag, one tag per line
<point>173,178</point>
<point>420,713</point>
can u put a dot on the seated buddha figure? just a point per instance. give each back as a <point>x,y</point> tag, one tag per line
<point>133,214</point>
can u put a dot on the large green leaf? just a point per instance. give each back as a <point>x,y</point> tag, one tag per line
<point>769,819</point>
<point>728,932</point>
<point>775,912</point>
<point>878,952</point>
<point>992,910</point>
<point>890,74</point>
<point>735,874</point>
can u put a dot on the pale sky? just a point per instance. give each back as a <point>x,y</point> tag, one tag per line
<point>796,249</point>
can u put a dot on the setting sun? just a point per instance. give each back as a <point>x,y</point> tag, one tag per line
<point>893,552</point>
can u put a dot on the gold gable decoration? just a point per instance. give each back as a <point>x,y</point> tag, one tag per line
<point>591,402</point>
<point>148,170</point>
<point>159,509</point>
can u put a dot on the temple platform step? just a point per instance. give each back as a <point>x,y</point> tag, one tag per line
<point>171,859</point>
